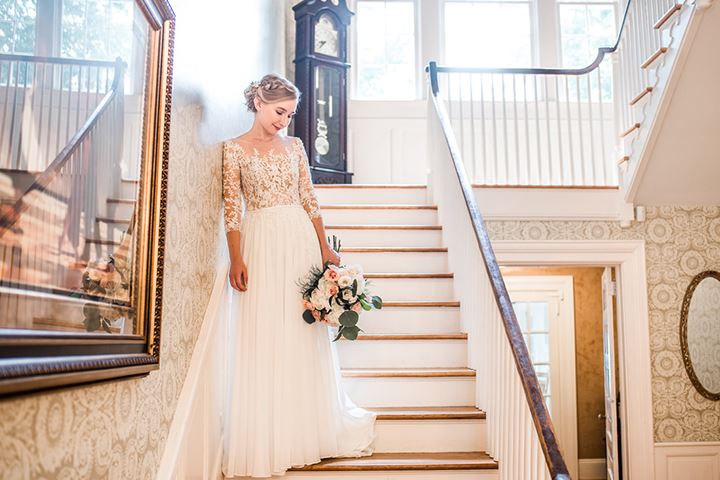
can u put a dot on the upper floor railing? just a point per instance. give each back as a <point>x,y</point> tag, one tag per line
<point>553,126</point>
<point>44,101</point>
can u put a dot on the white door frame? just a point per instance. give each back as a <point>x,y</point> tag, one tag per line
<point>563,387</point>
<point>633,335</point>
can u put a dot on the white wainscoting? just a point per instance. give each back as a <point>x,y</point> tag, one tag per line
<point>387,141</point>
<point>687,461</point>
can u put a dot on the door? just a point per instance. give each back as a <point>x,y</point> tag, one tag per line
<point>611,424</point>
<point>544,307</point>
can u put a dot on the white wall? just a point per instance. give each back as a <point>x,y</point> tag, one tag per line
<point>687,460</point>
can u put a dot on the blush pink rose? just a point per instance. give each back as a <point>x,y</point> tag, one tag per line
<point>307,305</point>
<point>316,315</point>
<point>333,290</point>
<point>331,273</point>
<point>357,307</point>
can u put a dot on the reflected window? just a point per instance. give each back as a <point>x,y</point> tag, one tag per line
<point>17,26</point>
<point>534,321</point>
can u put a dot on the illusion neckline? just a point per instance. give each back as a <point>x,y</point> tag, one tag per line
<point>286,149</point>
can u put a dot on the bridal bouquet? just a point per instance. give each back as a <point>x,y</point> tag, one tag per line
<point>336,296</point>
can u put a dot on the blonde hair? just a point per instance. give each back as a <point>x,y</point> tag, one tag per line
<point>270,89</point>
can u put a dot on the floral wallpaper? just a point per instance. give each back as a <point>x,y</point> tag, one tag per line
<point>680,243</point>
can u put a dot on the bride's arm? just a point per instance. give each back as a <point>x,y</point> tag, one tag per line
<point>310,204</point>
<point>232,200</point>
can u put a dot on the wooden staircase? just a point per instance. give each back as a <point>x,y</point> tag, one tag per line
<point>410,365</point>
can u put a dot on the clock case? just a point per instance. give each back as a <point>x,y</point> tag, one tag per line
<point>307,13</point>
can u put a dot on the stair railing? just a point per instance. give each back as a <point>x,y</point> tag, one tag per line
<point>520,433</point>
<point>45,229</point>
<point>554,126</point>
<point>43,102</point>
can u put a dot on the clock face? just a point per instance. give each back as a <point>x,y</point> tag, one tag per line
<point>326,37</point>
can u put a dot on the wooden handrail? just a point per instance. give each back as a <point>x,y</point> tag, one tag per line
<point>536,402</point>
<point>43,180</point>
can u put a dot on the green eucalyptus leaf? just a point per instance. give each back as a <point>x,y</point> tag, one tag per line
<point>340,332</point>
<point>351,333</point>
<point>349,318</point>
<point>377,302</point>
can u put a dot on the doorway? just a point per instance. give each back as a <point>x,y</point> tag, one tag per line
<point>568,323</point>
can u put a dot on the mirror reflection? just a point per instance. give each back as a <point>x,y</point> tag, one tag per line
<point>72,83</point>
<point>703,333</point>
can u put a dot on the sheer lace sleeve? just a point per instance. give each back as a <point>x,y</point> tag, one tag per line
<point>305,186</point>
<point>231,187</point>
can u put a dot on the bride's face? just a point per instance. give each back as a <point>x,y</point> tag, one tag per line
<point>274,117</point>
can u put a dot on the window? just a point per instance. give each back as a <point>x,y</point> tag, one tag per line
<point>97,29</point>
<point>585,26</point>
<point>17,26</point>
<point>488,33</point>
<point>385,58</point>
<point>534,321</point>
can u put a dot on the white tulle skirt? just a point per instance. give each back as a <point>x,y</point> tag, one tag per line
<point>285,406</point>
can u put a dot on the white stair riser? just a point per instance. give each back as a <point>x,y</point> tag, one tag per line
<point>128,190</point>
<point>425,289</point>
<point>387,238</point>
<point>402,353</point>
<point>372,196</point>
<point>398,262</point>
<point>467,435</point>
<point>111,231</point>
<point>351,216</point>
<point>414,391</point>
<point>411,320</point>
<point>399,475</point>
<point>122,211</point>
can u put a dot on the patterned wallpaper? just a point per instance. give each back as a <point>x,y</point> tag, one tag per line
<point>680,243</point>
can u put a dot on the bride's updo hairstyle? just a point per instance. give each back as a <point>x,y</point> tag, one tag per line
<point>270,89</point>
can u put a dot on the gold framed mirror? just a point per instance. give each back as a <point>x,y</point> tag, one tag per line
<point>84,147</point>
<point>700,333</point>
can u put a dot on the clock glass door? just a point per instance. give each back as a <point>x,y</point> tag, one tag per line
<point>326,131</point>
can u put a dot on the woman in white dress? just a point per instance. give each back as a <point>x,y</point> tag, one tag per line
<point>285,406</point>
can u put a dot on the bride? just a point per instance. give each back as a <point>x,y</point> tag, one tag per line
<point>285,406</point>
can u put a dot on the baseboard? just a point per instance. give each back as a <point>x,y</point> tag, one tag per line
<point>687,460</point>
<point>592,469</point>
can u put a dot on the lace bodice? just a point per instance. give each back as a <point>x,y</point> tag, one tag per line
<point>265,180</point>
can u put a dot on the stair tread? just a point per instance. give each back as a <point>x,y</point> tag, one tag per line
<point>414,336</point>
<point>395,249</point>
<point>407,461</point>
<point>384,206</point>
<point>384,227</point>
<point>369,185</point>
<point>409,275</point>
<point>418,303</point>
<point>121,200</point>
<point>427,413</point>
<point>408,372</point>
<point>112,220</point>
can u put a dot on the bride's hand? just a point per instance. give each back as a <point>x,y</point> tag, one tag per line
<point>238,276</point>
<point>330,255</point>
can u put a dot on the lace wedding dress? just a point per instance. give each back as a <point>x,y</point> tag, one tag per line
<point>285,406</point>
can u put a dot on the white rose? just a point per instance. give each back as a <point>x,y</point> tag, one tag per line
<point>348,296</point>
<point>344,281</point>
<point>333,318</point>
<point>318,300</point>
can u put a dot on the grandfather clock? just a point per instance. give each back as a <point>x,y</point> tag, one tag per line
<point>320,73</point>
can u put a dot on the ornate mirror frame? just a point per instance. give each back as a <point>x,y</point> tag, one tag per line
<point>684,346</point>
<point>38,360</point>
